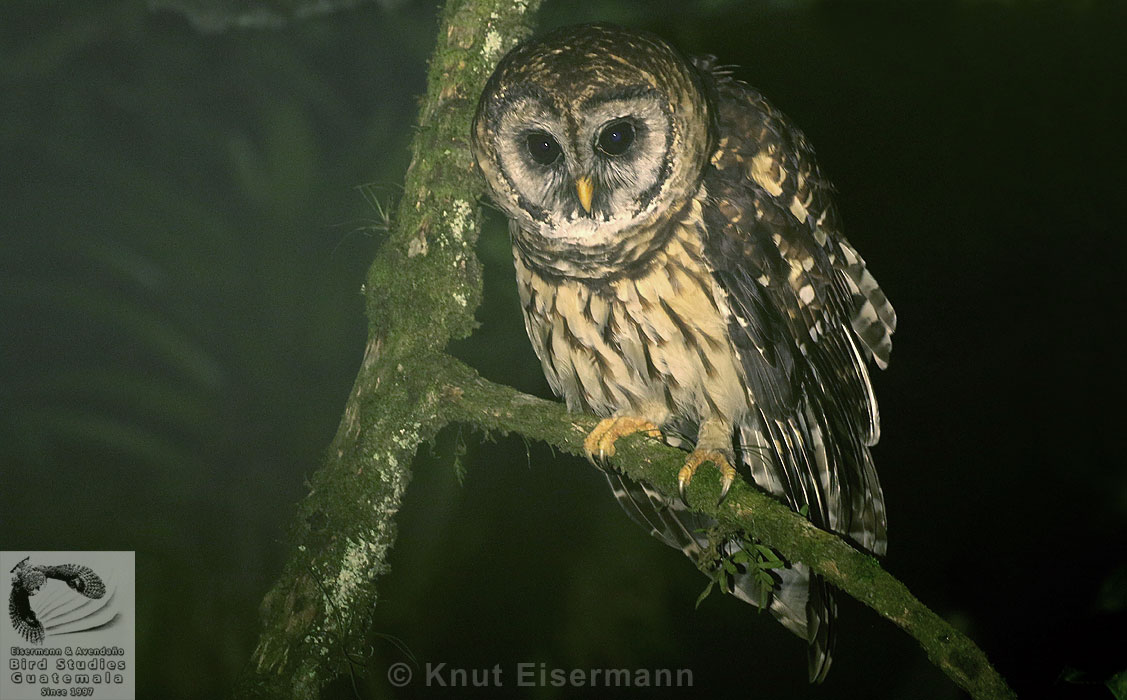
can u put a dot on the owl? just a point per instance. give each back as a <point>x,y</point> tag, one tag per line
<point>27,579</point>
<point>682,273</point>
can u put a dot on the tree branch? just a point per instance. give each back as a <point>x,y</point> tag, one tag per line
<point>468,398</point>
<point>422,291</point>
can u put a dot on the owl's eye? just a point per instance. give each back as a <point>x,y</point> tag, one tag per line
<point>543,148</point>
<point>616,138</point>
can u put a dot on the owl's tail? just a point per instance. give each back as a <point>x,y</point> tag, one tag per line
<point>800,459</point>
<point>802,602</point>
<point>805,605</point>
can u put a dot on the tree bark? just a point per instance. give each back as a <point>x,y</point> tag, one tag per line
<point>421,292</point>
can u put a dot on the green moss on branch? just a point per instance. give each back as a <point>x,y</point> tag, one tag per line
<point>471,399</point>
<point>422,292</point>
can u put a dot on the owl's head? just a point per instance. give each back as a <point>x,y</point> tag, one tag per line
<point>592,135</point>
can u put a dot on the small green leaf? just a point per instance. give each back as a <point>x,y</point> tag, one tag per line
<point>1117,684</point>
<point>704,593</point>
<point>460,452</point>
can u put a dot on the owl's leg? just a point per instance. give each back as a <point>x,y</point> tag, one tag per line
<point>714,444</point>
<point>599,445</point>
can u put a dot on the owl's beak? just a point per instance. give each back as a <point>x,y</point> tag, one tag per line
<point>586,190</point>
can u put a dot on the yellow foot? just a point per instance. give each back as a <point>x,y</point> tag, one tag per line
<point>699,457</point>
<point>599,445</point>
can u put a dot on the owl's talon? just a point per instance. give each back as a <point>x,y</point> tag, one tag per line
<point>726,481</point>
<point>599,444</point>
<point>696,459</point>
<point>683,480</point>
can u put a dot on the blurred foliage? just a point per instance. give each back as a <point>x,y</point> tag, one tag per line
<point>211,16</point>
<point>1117,684</point>
<point>183,235</point>
<point>181,264</point>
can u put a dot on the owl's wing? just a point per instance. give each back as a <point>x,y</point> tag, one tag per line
<point>669,521</point>
<point>23,617</point>
<point>807,315</point>
<point>81,578</point>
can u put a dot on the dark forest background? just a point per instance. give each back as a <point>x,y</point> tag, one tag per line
<point>189,203</point>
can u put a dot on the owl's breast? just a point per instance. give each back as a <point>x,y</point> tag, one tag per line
<point>654,343</point>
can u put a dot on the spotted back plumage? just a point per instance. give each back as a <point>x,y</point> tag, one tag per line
<point>721,302</point>
<point>807,316</point>
<point>808,312</point>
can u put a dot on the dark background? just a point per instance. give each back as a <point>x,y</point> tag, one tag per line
<point>182,243</point>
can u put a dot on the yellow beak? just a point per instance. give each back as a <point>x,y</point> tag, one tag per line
<point>585,190</point>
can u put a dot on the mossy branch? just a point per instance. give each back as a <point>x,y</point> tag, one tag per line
<point>422,291</point>
<point>468,398</point>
